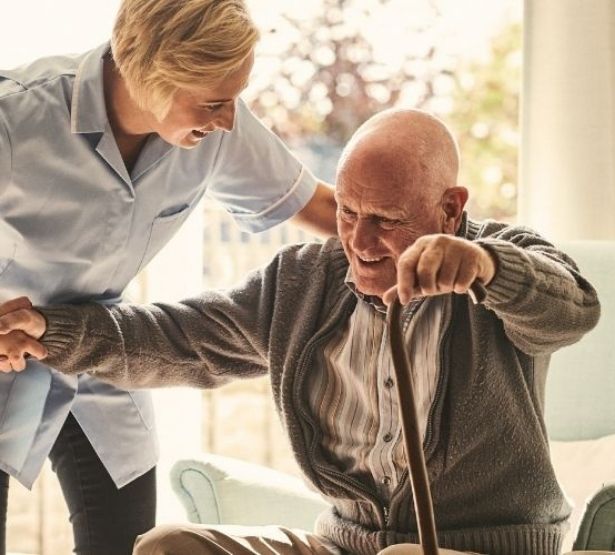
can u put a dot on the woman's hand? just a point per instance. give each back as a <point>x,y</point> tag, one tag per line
<point>15,348</point>
<point>20,327</point>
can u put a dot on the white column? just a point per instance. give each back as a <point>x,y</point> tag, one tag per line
<point>175,273</point>
<point>567,188</point>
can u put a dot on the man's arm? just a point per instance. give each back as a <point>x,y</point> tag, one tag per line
<point>203,342</point>
<point>537,291</point>
<point>318,215</point>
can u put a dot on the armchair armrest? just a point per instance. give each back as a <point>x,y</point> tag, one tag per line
<point>221,490</point>
<point>597,528</point>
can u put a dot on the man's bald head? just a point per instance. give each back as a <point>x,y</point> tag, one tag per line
<point>404,148</point>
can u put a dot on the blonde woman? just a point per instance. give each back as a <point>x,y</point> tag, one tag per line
<point>102,158</point>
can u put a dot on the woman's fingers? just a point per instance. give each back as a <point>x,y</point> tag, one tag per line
<point>15,348</point>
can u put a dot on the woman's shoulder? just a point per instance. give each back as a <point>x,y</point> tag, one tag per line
<point>38,73</point>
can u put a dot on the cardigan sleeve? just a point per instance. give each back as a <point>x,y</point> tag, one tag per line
<point>203,342</point>
<point>538,292</point>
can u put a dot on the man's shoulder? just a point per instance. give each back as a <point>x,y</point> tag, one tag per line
<point>328,251</point>
<point>484,229</point>
<point>313,261</point>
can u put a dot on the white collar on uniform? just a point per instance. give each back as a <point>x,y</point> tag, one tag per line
<point>88,110</point>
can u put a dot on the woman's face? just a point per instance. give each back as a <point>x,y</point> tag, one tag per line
<point>195,113</point>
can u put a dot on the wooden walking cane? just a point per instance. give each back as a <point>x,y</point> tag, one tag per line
<point>413,442</point>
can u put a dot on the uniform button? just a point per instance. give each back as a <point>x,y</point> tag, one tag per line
<point>386,480</point>
<point>387,437</point>
<point>389,383</point>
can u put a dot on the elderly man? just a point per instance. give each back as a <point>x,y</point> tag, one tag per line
<point>313,319</point>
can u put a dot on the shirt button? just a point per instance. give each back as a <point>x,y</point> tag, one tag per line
<point>387,437</point>
<point>389,383</point>
<point>386,480</point>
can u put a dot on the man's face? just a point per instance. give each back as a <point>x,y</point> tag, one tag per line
<point>196,113</point>
<point>378,217</point>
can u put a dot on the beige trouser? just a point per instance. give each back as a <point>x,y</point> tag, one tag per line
<point>195,539</point>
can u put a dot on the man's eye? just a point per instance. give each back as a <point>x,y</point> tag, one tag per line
<point>385,223</point>
<point>347,213</point>
<point>212,107</point>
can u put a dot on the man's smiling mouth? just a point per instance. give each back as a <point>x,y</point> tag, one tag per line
<point>370,259</point>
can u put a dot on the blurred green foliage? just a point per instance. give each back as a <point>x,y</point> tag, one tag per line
<point>330,77</point>
<point>485,120</point>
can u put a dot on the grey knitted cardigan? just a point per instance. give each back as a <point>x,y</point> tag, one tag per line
<point>493,485</point>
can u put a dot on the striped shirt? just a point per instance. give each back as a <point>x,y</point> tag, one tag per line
<point>354,397</point>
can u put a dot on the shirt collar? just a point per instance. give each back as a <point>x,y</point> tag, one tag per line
<point>375,302</point>
<point>88,110</point>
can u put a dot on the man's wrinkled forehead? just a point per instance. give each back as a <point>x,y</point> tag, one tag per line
<point>376,203</point>
<point>379,166</point>
<point>379,193</point>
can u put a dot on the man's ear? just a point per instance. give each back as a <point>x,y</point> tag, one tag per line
<point>453,201</point>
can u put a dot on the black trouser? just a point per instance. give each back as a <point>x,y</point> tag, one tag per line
<point>106,520</point>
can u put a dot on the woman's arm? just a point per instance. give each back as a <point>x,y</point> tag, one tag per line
<point>318,215</point>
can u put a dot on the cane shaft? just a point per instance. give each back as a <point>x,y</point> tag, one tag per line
<point>413,442</point>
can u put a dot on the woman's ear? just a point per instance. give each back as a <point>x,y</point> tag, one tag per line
<point>453,201</point>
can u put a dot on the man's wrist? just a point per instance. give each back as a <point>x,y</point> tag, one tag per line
<point>490,266</point>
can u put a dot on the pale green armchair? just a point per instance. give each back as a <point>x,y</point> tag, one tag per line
<point>221,490</point>
<point>580,407</point>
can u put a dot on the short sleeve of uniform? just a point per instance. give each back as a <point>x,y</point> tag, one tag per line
<point>256,178</point>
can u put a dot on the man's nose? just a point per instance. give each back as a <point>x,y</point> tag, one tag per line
<point>364,235</point>
<point>226,118</point>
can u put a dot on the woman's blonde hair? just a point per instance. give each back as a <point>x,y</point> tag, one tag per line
<point>160,46</point>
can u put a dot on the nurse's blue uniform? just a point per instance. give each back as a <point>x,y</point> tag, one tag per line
<point>76,225</point>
